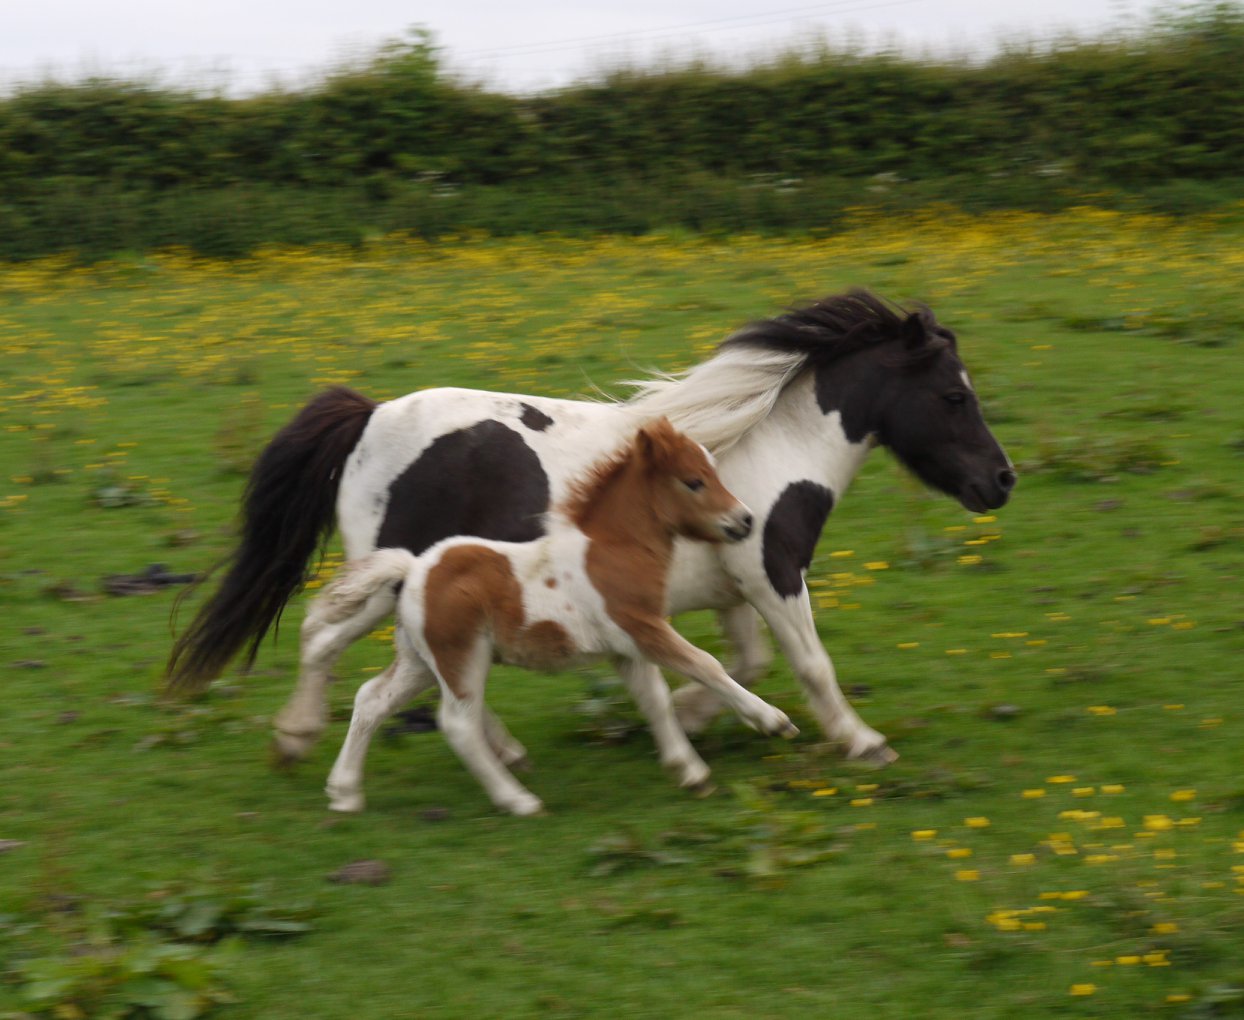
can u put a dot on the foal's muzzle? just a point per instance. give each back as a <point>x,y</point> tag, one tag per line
<point>738,526</point>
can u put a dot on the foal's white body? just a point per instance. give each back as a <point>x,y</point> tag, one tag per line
<point>558,590</point>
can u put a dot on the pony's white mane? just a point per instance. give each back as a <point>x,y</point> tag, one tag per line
<point>717,401</point>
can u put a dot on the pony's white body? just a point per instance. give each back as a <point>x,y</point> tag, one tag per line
<point>793,440</point>
<point>789,406</point>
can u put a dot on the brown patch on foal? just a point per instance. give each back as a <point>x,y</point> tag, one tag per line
<point>631,509</point>
<point>469,588</point>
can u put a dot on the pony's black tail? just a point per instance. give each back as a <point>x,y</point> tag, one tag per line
<point>287,512</point>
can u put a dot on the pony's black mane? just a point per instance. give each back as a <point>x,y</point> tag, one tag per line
<point>842,324</point>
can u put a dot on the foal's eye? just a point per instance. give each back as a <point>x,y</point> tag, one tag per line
<point>955,398</point>
<point>694,484</point>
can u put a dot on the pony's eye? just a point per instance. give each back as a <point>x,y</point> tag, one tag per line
<point>956,397</point>
<point>694,484</point>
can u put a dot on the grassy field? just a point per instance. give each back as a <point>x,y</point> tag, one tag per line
<point>1063,835</point>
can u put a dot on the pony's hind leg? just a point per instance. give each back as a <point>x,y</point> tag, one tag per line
<point>376,700</point>
<point>462,719</point>
<point>652,695</point>
<point>331,625</point>
<point>695,704</point>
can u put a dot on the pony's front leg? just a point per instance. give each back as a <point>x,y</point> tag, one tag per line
<point>790,620</point>
<point>376,700</point>
<point>324,636</point>
<point>696,705</point>
<point>652,695</point>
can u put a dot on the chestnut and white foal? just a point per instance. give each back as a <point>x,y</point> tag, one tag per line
<point>593,587</point>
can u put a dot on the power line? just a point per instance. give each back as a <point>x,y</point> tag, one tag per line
<point>713,25</point>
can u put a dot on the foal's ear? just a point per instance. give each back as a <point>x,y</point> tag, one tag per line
<point>653,442</point>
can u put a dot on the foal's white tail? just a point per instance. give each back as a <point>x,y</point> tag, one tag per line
<point>356,602</point>
<point>377,574</point>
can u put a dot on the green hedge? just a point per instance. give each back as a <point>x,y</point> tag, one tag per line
<point>397,144</point>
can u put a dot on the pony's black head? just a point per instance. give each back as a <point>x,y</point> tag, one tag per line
<point>894,375</point>
<point>928,414</point>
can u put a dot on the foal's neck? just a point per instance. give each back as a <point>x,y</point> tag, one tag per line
<point>620,514</point>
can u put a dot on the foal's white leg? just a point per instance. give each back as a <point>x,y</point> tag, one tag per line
<point>696,705</point>
<point>512,754</point>
<point>666,647</point>
<point>299,724</point>
<point>650,692</point>
<point>462,720</point>
<point>791,622</point>
<point>376,700</point>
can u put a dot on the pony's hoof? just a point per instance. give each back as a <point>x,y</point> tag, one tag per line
<point>691,775</point>
<point>290,748</point>
<point>702,789</point>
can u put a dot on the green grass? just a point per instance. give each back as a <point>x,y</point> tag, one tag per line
<point>1084,644</point>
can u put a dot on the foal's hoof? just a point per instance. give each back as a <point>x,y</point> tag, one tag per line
<point>879,756</point>
<point>347,803</point>
<point>525,807</point>
<point>779,725</point>
<point>702,789</point>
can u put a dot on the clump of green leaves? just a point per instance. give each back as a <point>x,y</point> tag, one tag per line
<point>622,851</point>
<point>241,434</point>
<point>608,714</point>
<point>164,957</point>
<point>767,838</point>
<point>1097,459</point>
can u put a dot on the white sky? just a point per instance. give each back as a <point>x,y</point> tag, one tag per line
<point>241,45</point>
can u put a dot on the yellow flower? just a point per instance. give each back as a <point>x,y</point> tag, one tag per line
<point>1083,989</point>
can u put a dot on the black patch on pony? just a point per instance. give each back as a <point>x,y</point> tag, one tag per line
<point>483,481</point>
<point>791,533</point>
<point>534,419</point>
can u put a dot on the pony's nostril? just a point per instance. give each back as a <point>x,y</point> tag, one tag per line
<point>746,522</point>
<point>1006,479</point>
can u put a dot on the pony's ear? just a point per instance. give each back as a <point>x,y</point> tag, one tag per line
<point>914,331</point>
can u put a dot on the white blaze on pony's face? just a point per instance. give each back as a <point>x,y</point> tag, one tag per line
<point>689,496</point>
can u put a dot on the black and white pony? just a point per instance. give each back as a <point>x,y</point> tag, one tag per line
<point>789,406</point>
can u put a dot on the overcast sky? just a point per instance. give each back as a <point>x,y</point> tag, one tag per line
<point>515,44</point>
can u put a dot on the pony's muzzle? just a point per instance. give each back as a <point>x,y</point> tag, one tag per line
<point>738,525</point>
